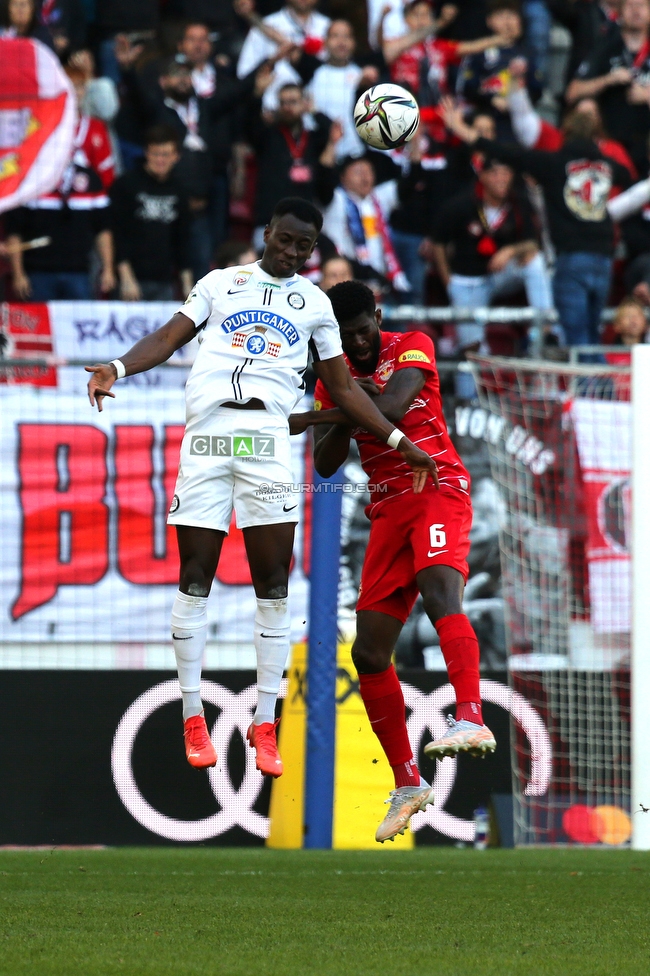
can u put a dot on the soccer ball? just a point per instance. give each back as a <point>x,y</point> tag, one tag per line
<point>386,116</point>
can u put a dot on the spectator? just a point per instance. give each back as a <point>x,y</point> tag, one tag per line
<point>19,18</point>
<point>332,87</point>
<point>485,78</point>
<point>296,153</point>
<point>204,128</point>
<point>357,221</point>
<point>131,22</point>
<point>632,210</point>
<point>231,254</point>
<point>66,22</point>
<point>420,61</point>
<point>92,141</point>
<point>100,98</point>
<point>630,326</point>
<point>195,48</point>
<point>537,30</point>
<point>617,74</point>
<point>333,271</point>
<point>534,132</point>
<point>76,218</point>
<point>429,171</point>
<point>297,23</point>
<point>577,180</point>
<point>589,22</point>
<point>151,224</point>
<point>486,246</point>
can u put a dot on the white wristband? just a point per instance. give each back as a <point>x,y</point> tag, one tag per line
<point>395,437</point>
<point>119,368</point>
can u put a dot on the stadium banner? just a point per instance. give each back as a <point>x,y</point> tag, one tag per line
<point>89,332</point>
<point>37,121</point>
<point>83,497</point>
<point>130,784</point>
<point>85,553</point>
<point>604,439</point>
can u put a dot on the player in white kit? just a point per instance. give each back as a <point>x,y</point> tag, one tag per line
<point>256,325</point>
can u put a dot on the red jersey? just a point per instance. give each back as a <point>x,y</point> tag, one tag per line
<point>93,149</point>
<point>423,423</point>
<point>439,54</point>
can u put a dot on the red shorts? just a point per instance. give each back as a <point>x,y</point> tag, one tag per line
<point>406,536</point>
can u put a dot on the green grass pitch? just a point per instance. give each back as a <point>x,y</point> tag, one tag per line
<point>254,912</point>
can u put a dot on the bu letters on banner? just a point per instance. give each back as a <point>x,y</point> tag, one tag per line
<point>84,504</point>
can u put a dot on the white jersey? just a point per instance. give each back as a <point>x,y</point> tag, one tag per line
<point>333,92</point>
<point>254,340</point>
<point>258,47</point>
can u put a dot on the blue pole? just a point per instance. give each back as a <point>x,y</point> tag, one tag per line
<point>321,662</point>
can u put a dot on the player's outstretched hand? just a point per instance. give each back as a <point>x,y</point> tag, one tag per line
<point>100,383</point>
<point>422,464</point>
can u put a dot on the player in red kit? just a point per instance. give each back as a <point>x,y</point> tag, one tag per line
<point>418,543</point>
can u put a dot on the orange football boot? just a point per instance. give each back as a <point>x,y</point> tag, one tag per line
<point>198,746</point>
<point>262,739</point>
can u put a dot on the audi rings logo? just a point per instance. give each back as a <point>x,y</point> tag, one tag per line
<point>426,720</point>
<point>427,712</point>
<point>236,805</point>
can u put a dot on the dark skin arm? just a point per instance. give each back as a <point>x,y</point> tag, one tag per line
<point>150,351</point>
<point>331,445</point>
<point>360,409</point>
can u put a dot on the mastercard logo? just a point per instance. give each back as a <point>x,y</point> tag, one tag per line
<point>597,825</point>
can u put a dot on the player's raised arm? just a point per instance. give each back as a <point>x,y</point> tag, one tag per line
<point>359,408</point>
<point>150,351</point>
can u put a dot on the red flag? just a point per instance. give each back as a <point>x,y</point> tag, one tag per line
<point>37,121</point>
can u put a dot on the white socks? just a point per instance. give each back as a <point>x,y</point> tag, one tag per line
<point>272,627</point>
<point>189,629</point>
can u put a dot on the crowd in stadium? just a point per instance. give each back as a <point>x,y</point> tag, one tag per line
<point>527,182</point>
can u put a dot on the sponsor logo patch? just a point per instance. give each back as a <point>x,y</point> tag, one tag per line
<point>256,345</point>
<point>251,342</point>
<point>263,285</point>
<point>239,445</point>
<point>414,356</point>
<point>385,372</point>
<point>296,300</point>
<point>241,277</point>
<point>257,316</point>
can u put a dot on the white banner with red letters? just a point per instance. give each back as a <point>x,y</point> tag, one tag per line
<point>604,438</point>
<point>89,332</point>
<point>85,552</point>
<point>37,121</point>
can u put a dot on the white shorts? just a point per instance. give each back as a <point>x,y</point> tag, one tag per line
<point>237,459</point>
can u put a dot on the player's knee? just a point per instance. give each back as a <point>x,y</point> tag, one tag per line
<point>194,580</point>
<point>198,589</point>
<point>438,605</point>
<point>366,658</point>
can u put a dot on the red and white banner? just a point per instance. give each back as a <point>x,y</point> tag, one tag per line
<point>90,332</point>
<point>604,438</point>
<point>85,552</point>
<point>37,121</point>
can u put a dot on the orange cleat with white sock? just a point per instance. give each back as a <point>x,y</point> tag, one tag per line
<point>262,739</point>
<point>198,746</point>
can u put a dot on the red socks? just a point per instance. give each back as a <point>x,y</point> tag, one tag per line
<point>459,648</point>
<point>384,703</point>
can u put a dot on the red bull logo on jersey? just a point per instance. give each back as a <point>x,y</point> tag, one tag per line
<point>257,316</point>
